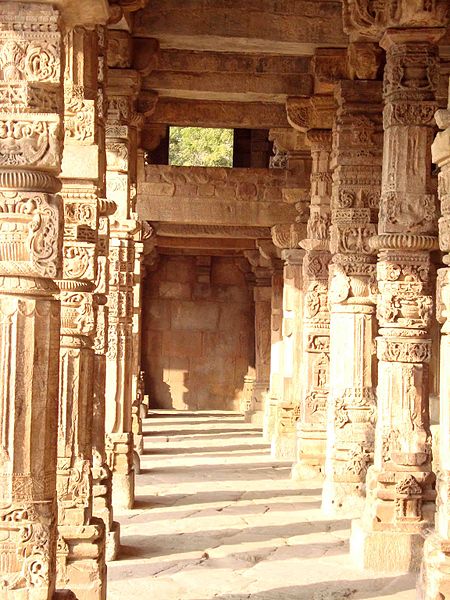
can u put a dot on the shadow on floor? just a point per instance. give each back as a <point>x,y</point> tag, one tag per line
<point>197,433</point>
<point>328,590</point>
<point>143,502</point>
<point>141,546</point>
<point>216,450</point>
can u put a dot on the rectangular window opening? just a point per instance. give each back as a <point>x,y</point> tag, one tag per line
<point>200,147</point>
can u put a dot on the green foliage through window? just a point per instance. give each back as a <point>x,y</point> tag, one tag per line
<point>200,147</point>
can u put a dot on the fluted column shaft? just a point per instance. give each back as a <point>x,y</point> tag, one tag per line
<point>356,162</point>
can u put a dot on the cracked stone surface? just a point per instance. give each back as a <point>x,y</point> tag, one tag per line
<point>217,518</point>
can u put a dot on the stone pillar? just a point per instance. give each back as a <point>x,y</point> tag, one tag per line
<point>308,115</point>
<point>434,581</point>
<point>118,420</point>
<point>137,385</point>
<point>101,473</point>
<point>262,294</point>
<point>400,486</point>
<point>356,160</point>
<point>30,260</point>
<point>121,153</point>
<point>275,392</point>
<point>284,441</point>
<point>292,153</point>
<point>81,544</point>
<point>286,407</point>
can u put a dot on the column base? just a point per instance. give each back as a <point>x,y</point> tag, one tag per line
<point>434,580</point>
<point>112,542</point>
<point>136,462</point>
<point>269,418</point>
<point>284,447</point>
<point>255,417</point>
<point>64,595</point>
<point>343,498</point>
<point>81,560</point>
<point>123,490</point>
<point>302,471</point>
<point>390,551</point>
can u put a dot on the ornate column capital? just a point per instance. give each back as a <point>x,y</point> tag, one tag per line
<point>368,19</point>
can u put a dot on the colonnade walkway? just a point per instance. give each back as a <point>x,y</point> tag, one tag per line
<point>216,517</point>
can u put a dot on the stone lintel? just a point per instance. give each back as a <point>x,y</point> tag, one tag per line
<point>175,230</point>
<point>243,26</point>
<point>215,196</point>
<point>229,76</point>
<point>210,113</point>
<point>204,244</point>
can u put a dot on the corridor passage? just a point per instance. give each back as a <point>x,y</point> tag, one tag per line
<point>215,517</point>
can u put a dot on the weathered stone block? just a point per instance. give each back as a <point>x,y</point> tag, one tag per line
<point>180,344</point>
<point>191,315</point>
<point>175,289</point>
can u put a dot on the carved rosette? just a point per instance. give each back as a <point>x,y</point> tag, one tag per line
<point>30,259</point>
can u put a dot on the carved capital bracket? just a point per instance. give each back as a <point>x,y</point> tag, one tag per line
<point>316,112</point>
<point>368,19</point>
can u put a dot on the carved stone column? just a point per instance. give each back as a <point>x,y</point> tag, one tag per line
<point>262,294</point>
<point>308,115</point>
<point>30,260</point>
<point>81,545</point>
<point>356,160</point>
<point>400,485</point>
<point>286,410</point>
<point>292,153</point>
<point>137,389</point>
<point>121,152</point>
<point>434,581</point>
<point>275,392</point>
<point>101,473</point>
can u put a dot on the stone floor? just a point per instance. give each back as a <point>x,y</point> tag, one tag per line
<point>215,517</point>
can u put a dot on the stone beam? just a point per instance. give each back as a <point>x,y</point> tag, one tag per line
<point>229,76</point>
<point>176,243</point>
<point>215,196</point>
<point>284,26</point>
<point>221,232</point>
<point>207,113</point>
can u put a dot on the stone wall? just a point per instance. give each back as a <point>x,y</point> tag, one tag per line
<point>197,333</point>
